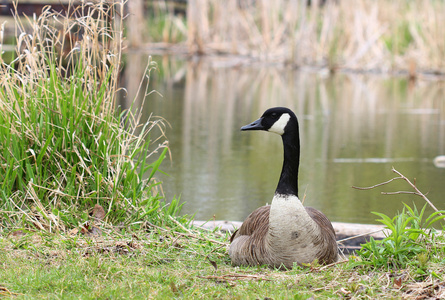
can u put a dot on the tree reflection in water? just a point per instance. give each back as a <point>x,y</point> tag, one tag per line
<point>354,128</point>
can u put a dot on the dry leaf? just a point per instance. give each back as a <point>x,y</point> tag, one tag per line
<point>398,282</point>
<point>134,245</point>
<point>121,247</point>
<point>18,233</point>
<point>98,212</point>
<point>344,291</point>
<point>73,232</point>
<point>213,264</point>
<point>95,231</point>
<point>85,228</point>
<point>176,244</point>
<point>173,287</point>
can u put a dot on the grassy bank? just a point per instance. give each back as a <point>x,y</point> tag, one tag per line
<point>176,262</point>
<point>402,37</point>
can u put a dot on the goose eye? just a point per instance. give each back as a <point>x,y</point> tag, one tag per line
<point>274,115</point>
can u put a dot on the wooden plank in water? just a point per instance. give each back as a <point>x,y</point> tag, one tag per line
<point>343,229</point>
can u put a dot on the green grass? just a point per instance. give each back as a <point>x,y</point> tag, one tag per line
<point>176,262</point>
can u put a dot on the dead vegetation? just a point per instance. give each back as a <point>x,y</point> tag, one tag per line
<point>401,37</point>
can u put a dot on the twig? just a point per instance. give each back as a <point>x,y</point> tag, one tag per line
<point>234,277</point>
<point>211,230</point>
<point>304,195</point>
<point>413,185</point>
<point>359,235</point>
<point>180,225</point>
<point>417,190</point>
<point>201,238</point>
<point>333,264</point>
<point>5,292</point>
<point>374,186</point>
<point>399,192</point>
<point>246,276</point>
<point>213,250</point>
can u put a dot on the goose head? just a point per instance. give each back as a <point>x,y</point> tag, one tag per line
<point>282,121</point>
<point>279,120</point>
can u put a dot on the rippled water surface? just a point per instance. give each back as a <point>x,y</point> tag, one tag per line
<point>354,129</point>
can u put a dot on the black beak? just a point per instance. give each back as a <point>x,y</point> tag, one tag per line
<point>256,125</point>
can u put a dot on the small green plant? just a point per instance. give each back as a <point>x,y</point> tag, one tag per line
<point>408,238</point>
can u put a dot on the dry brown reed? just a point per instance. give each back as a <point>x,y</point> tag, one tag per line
<point>371,35</point>
<point>88,35</point>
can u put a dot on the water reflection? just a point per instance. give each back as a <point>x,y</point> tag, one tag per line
<point>354,128</point>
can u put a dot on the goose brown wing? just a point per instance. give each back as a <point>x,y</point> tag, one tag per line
<point>257,222</point>
<point>321,220</point>
<point>330,252</point>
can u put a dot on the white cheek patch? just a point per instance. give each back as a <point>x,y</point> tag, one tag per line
<point>278,126</point>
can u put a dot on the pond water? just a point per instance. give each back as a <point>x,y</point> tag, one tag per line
<point>353,129</point>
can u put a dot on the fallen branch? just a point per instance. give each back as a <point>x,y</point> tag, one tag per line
<point>180,225</point>
<point>232,277</point>
<point>333,264</point>
<point>5,292</point>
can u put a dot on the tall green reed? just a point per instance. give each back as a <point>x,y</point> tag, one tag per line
<point>64,147</point>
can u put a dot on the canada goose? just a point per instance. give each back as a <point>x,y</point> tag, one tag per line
<point>284,232</point>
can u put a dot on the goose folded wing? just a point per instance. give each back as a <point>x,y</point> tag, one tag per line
<point>257,222</point>
<point>329,252</point>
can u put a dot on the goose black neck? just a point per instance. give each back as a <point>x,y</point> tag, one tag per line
<point>288,184</point>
